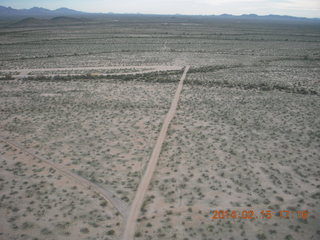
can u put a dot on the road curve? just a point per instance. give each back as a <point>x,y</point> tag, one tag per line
<point>134,211</point>
<point>106,194</point>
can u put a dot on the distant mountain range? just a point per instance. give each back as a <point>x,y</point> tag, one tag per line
<point>266,17</point>
<point>38,12</point>
<point>8,12</point>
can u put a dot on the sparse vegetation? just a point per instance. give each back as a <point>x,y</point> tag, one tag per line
<point>245,135</point>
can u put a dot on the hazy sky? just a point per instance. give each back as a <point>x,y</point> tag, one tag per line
<point>305,8</point>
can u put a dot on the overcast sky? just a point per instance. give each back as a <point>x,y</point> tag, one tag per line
<point>304,8</point>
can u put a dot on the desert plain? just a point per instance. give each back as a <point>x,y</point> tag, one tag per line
<point>82,106</point>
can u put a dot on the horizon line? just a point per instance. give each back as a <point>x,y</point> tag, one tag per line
<point>166,14</point>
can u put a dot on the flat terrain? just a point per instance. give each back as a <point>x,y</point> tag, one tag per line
<point>82,107</point>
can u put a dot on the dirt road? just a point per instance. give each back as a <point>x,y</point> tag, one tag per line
<point>24,73</point>
<point>106,194</point>
<point>130,226</point>
<point>156,67</point>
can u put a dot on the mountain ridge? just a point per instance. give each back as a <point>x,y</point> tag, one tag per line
<point>38,12</point>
